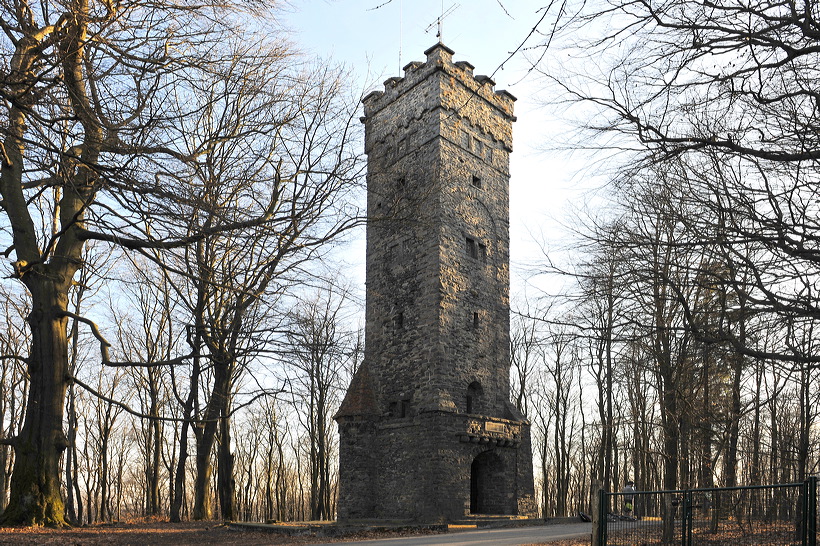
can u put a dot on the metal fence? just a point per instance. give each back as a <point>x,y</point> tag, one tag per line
<point>783,514</point>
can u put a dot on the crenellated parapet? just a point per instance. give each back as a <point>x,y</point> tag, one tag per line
<point>439,83</point>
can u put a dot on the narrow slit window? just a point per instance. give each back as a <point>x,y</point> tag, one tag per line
<point>473,397</point>
<point>398,320</point>
<point>475,320</point>
<point>482,252</point>
<point>472,248</point>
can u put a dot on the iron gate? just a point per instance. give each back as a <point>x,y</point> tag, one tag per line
<point>784,514</point>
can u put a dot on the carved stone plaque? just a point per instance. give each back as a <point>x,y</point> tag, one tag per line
<point>494,427</point>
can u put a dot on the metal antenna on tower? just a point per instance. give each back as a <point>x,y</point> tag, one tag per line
<point>401,30</point>
<point>439,20</point>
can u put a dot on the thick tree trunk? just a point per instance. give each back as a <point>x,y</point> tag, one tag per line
<point>188,415</point>
<point>755,471</point>
<point>202,498</point>
<point>205,444</point>
<point>281,486</point>
<point>735,415</point>
<point>225,479</point>
<point>154,464</point>
<point>323,505</point>
<point>105,471</point>
<point>670,470</point>
<point>179,475</point>
<point>35,497</point>
<point>670,423</point>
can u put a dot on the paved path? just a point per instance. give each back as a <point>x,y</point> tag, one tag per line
<point>491,537</point>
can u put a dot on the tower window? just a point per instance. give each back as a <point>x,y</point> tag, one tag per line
<point>472,248</point>
<point>482,252</point>
<point>476,181</point>
<point>399,409</point>
<point>398,320</point>
<point>475,320</point>
<point>473,397</point>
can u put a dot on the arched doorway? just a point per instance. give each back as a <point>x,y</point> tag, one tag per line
<point>487,485</point>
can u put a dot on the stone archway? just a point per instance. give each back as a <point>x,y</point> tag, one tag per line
<point>488,485</point>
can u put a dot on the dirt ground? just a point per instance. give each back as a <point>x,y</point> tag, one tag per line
<point>162,533</point>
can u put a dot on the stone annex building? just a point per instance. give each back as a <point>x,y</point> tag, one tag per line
<point>427,431</point>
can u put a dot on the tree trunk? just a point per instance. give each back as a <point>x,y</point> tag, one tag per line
<point>670,470</point>
<point>179,476</point>
<point>188,413</point>
<point>755,470</point>
<point>202,498</point>
<point>281,485</point>
<point>735,414</point>
<point>205,444</point>
<point>153,477</point>
<point>670,425</point>
<point>105,470</point>
<point>225,479</point>
<point>35,497</point>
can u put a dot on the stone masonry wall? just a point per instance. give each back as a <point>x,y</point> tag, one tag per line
<point>427,431</point>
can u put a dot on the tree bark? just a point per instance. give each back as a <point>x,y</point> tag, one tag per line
<point>205,443</point>
<point>225,465</point>
<point>35,486</point>
<point>153,477</point>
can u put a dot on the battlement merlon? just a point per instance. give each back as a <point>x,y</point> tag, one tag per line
<point>440,58</point>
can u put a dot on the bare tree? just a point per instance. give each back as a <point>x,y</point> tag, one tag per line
<point>99,101</point>
<point>14,339</point>
<point>318,349</point>
<point>725,95</point>
<point>295,166</point>
<point>147,335</point>
<point>87,135</point>
<point>525,342</point>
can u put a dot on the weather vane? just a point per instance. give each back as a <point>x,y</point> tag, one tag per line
<point>438,22</point>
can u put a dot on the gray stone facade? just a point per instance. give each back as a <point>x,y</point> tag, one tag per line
<point>427,432</point>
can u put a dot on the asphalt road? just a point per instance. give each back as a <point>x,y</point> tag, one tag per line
<point>491,537</point>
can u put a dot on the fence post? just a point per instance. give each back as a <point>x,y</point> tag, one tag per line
<point>599,520</point>
<point>686,518</point>
<point>810,511</point>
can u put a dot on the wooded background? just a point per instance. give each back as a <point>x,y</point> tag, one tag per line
<point>177,186</point>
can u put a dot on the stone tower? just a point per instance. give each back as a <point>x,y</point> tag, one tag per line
<point>427,431</point>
